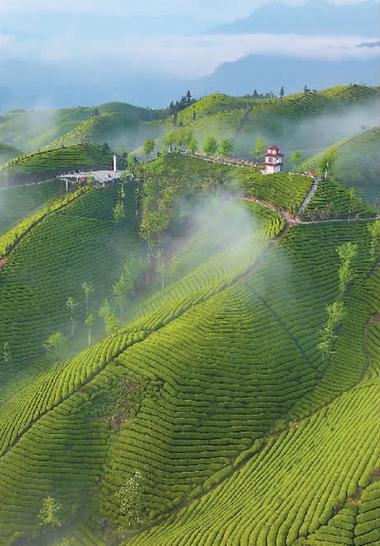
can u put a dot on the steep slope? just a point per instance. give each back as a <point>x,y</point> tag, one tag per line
<point>47,164</point>
<point>307,121</point>
<point>293,486</point>
<point>78,243</point>
<point>211,416</point>
<point>16,203</point>
<point>33,130</point>
<point>206,386</point>
<point>211,388</point>
<point>8,152</point>
<point>354,163</point>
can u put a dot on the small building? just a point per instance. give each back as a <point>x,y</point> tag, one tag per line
<point>273,160</point>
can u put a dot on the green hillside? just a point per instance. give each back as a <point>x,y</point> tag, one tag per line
<point>213,387</point>
<point>120,131</point>
<point>354,163</point>
<point>33,130</point>
<point>190,356</point>
<point>7,152</point>
<point>291,122</point>
<point>15,203</point>
<point>75,244</point>
<point>47,164</point>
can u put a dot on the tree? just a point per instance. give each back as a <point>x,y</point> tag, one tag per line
<point>125,285</point>
<point>89,323</point>
<point>71,305</point>
<point>131,162</point>
<point>210,146</point>
<point>149,145</point>
<point>112,324</point>
<point>259,149</point>
<point>347,252</point>
<point>295,158</point>
<point>374,232</point>
<point>118,213</point>
<point>226,148</point>
<point>335,313</point>
<point>6,352</point>
<point>326,162</point>
<point>282,92</point>
<point>131,498</point>
<point>49,516</point>
<point>170,140</point>
<point>193,145</point>
<point>88,289</point>
<point>353,197</point>
<point>183,137</point>
<point>54,344</point>
<point>160,267</point>
<point>104,309</point>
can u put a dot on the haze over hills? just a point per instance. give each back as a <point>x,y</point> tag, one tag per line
<point>189,273</point>
<point>315,17</point>
<point>181,52</point>
<point>189,349</point>
<point>264,72</point>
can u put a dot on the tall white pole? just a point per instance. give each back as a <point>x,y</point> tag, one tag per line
<point>114,163</point>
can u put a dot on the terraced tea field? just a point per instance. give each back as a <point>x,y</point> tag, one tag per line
<point>208,407</point>
<point>15,204</point>
<point>209,412</point>
<point>47,164</point>
<point>75,244</point>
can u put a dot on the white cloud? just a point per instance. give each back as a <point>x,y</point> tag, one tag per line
<point>198,56</point>
<point>180,56</point>
<point>209,10</point>
<point>187,56</point>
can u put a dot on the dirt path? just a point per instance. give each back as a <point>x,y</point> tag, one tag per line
<point>310,194</point>
<point>242,122</point>
<point>346,220</point>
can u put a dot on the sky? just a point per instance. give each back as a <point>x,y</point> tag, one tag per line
<point>151,35</point>
<point>171,39</point>
<point>210,10</point>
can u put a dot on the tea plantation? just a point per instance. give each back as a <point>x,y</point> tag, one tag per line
<point>47,164</point>
<point>354,163</point>
<point>231,396</point>
<point>16,203</point>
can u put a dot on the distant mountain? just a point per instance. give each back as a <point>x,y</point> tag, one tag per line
<point>268,73</point>
<point>314,17</point>
<point>37,84</point>
<point>370,44</point>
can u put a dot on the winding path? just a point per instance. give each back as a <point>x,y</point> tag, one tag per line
<point>310,194</point>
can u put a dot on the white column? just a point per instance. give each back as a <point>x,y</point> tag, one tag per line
<point>114,163</point>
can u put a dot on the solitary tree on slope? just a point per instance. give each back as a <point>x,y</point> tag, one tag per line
<point>149,145</point>
<point>210,146</point>
<point>226,148</point>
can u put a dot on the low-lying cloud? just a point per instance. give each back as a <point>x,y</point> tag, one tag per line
<point>181,56</point>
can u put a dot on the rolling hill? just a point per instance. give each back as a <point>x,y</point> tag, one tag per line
<point>207,411</point>
<point>354,163</point>
<point>32,130</point>
<point>48,164</point>
<point>8,152</point>
<point>307,121</point>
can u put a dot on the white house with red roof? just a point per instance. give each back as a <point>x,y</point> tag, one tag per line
<point>273,160</point>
